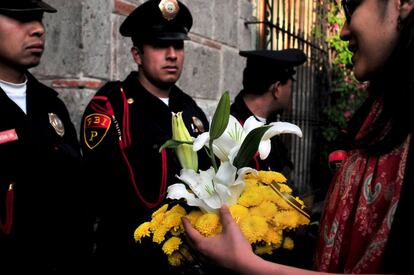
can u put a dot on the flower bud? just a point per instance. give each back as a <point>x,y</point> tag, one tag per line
<point>187,157</point>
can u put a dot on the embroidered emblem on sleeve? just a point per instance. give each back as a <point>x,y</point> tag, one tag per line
<point>95,128</point>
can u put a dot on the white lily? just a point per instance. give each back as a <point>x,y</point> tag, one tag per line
<point>228,144</point>
<point>209,190</point>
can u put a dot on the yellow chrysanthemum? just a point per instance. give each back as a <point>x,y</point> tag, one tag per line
<point>284,188</point>
<point>175,259</point>
<point>281,202</point>
<point>286,219</point>
<point>250,198</point>
<point>178,209</point>
<point>263,249</point>
<point>156,221</point>
<point>171,245</point>
<point>159,234</point>
<point>177,231</point>
<point>160,210</point>
<point>273,237</point>
<point>238,212</point>
<point>267,177</point>
<point>142,231</point>
<point>193,216</point>
<point>250,183</point>
<point>261,213</point>
<point>251,176</point>
<point>172,220</point>
<point>288,243</point>
<point>266,209</point>
<point>254,228</point>
<point>266,192</point>
<point>207,224</point>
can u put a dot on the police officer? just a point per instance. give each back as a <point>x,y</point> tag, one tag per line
<point>266,93</point>
<point>43,225</point>
<point>267,88</point>
<point>125,125</point>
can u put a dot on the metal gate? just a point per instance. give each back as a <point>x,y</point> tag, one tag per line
<point>285,24</point>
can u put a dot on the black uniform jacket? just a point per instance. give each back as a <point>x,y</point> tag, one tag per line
<point>118,208</point>
<point>278,159</point>
<point>49,226</point>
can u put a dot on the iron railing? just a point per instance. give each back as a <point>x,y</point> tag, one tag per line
<point>285,24</point>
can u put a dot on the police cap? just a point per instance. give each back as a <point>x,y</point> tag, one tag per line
<point>23,6</point>
<point>158,20</point>
<point>264,67</point>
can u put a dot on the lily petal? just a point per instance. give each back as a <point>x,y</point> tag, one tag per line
<point>251,123</point>
<point>201,141</point>
<point>280,127</point>
<point>179,191</point>
<point>225,174</point>
<point>222,147</point>
<point>264,148</point>
<point>213,202</point>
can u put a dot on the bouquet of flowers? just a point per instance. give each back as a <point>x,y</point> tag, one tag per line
<point>261,202</point>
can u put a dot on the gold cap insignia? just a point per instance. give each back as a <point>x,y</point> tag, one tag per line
<point>169,9</point>
<point>57,124</point>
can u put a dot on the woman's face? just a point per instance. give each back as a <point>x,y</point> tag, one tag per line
<point>372,34</point>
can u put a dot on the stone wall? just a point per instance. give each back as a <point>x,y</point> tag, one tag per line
<point>84,49</point>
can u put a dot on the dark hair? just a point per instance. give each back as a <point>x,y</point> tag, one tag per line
<point>396,86</point>
<point>257,82</point>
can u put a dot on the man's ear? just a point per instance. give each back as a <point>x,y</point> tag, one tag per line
<point>406,6</point>
<point>276,89</point>
<point>136,54</point>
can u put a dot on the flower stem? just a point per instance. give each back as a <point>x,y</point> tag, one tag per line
<point>212,156</point>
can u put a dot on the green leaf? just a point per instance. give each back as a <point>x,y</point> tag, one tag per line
<point>249,147</point>
<point>220,117</point>
<point>172,143</point>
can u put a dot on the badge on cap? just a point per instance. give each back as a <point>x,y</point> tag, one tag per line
<point>169,9</point>
<point>57,124</point>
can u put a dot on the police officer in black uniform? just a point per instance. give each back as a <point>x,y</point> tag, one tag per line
<point>267,87</point>
<point>43,219</point>
<point>125,125</point>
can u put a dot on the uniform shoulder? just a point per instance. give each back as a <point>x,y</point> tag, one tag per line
<point>39,86</point>
<point>109,88</point>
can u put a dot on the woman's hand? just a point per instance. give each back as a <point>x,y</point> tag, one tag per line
<point>228,249</point>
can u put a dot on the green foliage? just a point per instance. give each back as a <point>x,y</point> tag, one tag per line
<point>347,93</point>
<point>220,117</point>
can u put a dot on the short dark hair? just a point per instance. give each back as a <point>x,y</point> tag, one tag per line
<point>259,82</point>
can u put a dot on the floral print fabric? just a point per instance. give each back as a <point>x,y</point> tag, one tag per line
<point>359,209</point>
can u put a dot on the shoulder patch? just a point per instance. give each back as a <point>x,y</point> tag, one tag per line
<point>95,128</point>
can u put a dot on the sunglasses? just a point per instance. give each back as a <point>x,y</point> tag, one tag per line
<point>349,7</point>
